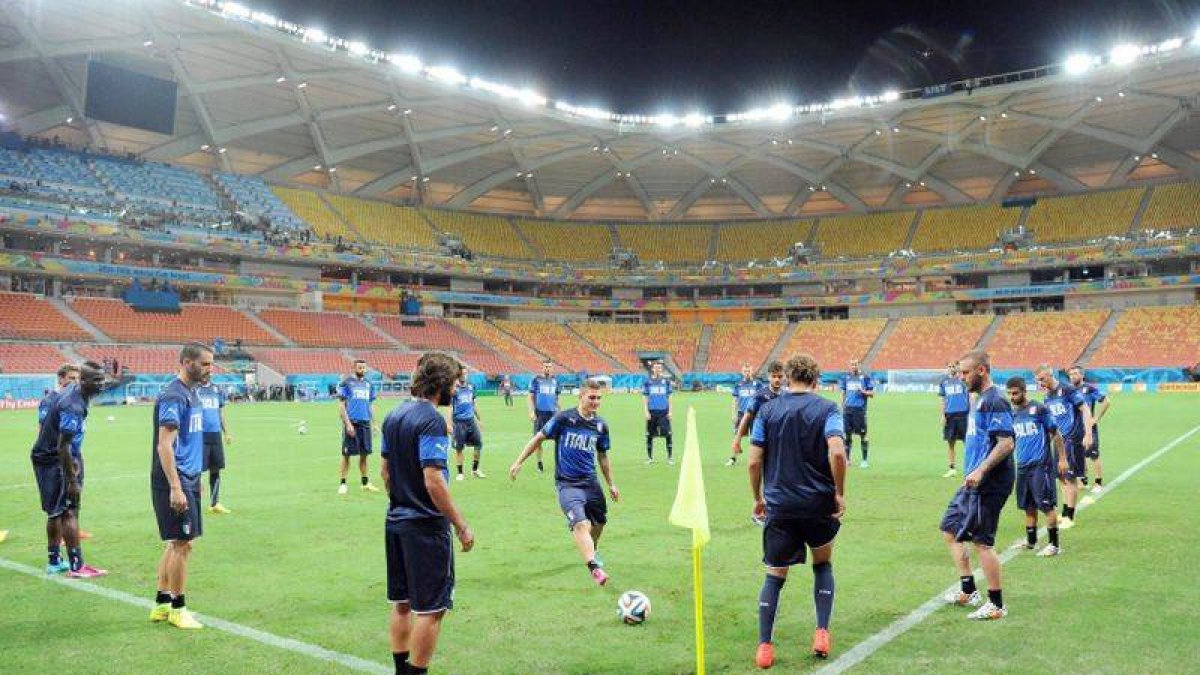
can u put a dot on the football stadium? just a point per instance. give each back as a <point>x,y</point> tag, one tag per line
<point>938,342</point>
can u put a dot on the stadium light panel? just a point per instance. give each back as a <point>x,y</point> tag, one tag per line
<point>265,19</point>
<point>1078,64</point>
<point>357,48</point>
<point>236,10</point>
<point>693,120</point>
<point>1170,45</point>
<point>408,63</point>
<point>446,74</point>
<point>1124,54</point>
<point>315,35</point>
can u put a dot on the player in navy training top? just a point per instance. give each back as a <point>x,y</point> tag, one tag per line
<point>1093,394</point>
<point>543,402</point>
<point>417,541</point>
<point>1041,455</point>
<point>765,393</point>
<point>857,389</point>
<point>581,441</point>
<point>744,392</point>
<point>467,426</point>
<point>57,458</point>
<point>68,373</point>
<point>1070,409</point>
<point>955,404</point>
<point>974,512</point>
<point>216,436</point>
<point>177,460</point>
<point>355,396</point>
<point>797,470</point>
<point>656,395</point>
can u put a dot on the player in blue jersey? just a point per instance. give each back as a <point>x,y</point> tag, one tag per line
<point>176,464</point>
<point>1074,419</point>
<point>418,544</point>
<point>467,426</point>
<point>57,458</point>
<point>1041,456</point>
<point>355,396</point>
<point>68,374</point>
<point>857,389</point>
<point>1094,395</point>
<point>581,441</point>
<point>955,405</point>
<point>216,437</point>
<point>744,392</point>
<point>656,396</point>
<point>543,402</point>
<point>797,470</point>
<point>773,388</point>
<point>974,512</point>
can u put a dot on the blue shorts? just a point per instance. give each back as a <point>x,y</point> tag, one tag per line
<point>582,502</point>
<point>420,565</point>
<point>855,420</point>
<point>52,488</point>
<point>214,451</point>
<point>659,424</point>
<point>540,418</point>
<point>955,427</point>
<point>466,432</point>
<point>173,525</point>
<point>1094,453</point>
<point>1076,463</point>
<point>974,516</point>
<point>786,540</point>
<point>360,442</point>
<point>1036,490</point>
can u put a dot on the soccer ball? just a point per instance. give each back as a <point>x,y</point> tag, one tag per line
<point>303,428</point>
<point>633,607</point>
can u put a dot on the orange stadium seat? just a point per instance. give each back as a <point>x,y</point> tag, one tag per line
<point>624,341</point>
<point>322,329</point>
<point>502,342</point>
<point>559,343</point>
<point>734,344</point>
<point>438,334</point>
<point>1056,338</point>
<point>930,342</point>
<point>138,360</point>
<point>304,361</point>
<point>31,317</point>
<point>390,363</point>
<point>40,359</point>
<point>834,343</point>
<point>1146,337</point>
<point>204,323</point>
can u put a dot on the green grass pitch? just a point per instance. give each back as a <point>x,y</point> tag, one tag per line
<point>300,561</point>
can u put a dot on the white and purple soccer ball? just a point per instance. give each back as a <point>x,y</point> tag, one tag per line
<point>633,607</point>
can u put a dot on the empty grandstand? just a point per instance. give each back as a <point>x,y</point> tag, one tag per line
<point>560,343</point>
<point>511,348</point>
<point>323,329</point>
<point>387,224</point>
<point>735,344</point>
<point>626,342</point>
<point>193,322</point>
<point>963,229</point>
<point>34,359</point>
<point>1145,337</point>
<point>858,236</point>
<point>835,343</point>
<point>929,342</point>
<point>1086,216</point>
<point>30,317</point>
<point>1057,338</point>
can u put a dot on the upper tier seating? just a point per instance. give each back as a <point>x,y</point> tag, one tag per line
<point>1057,338</point>
<point>500,341</point>
<point>138,360</point>
<point>1173,207</point>
<point>483,234</point>
<point>558,342</point>
<point>930,342</point>
<point>437,334</point>
<point>734,344</point>
<point>254,197</point>
<point>305,361</point>
<point>766,240</point>
<point>158,185</point>
<point>1084,217</point>
<point>834,343</point>
<point>307,205</point>
<point>861,235</point>
<point>624,341</point>
<point>24,358</point>
<point>963,229</point>
<point>1145,337</point>
<point>385,223</point>
<point>203,323</point>
<point>322,329</point>
<point>667,242</point>
<point>572,242</point>
<point>32,317</point>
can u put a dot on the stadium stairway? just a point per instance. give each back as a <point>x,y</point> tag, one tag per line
<point>366,320</point>
<point>700,363</point>
<point>1135,224</point>
<point>784,337</point>
<point>986,338</point>
<point>869,360</point>
<point>257,320</point>
<point>1101,335</point>
<point>83,323</point>
<point>342,218</point>
<point>613,363</point>
<point>529,243</point>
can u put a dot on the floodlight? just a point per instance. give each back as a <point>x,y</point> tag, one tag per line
<point>1124,54</point>
<point>408,63</point>
<point>1077,64</point>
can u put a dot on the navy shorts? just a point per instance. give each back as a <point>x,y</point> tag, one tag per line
<point>1036,490</point>
<point>1094,453</point>
<point>420,565</point>
<point>214,451</point>
<point>955,427</point>
<point>541,417</point>
<point>359,443</point>
<point>658,424</point>
<point>1077,465</point>
<point>786,540</point>
<point>974,516</point>
<point>52,487</point>
<point>856,421</point>
<point>172,525</point>
<point>466,432</point>
<point>582,501</point>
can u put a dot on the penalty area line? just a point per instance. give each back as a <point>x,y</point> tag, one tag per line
<point>863,650</point>
<point>240,630</point>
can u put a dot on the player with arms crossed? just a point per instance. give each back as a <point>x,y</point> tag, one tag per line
<point>974,512</point>
<point>417,540</point>
<point>355,396</point>
<point>955,405</point>
<point>797,470</point>
<point>216,437</point>
<point>467,423</point>
<point>1093,395</point>
<point>581,442</point>
<point>857,389</point>
<point>543,402</point>
<point>656,395</point>
<point>743,395</point>
<point>1074,419</point>
<point>1037,465</point>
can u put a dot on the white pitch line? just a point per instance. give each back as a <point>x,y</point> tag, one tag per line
<point>270,639</point>
<point>866,648</point>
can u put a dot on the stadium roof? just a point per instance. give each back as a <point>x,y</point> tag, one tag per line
<point>265,98</point>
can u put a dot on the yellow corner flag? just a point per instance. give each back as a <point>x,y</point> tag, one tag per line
<point>691,511</point>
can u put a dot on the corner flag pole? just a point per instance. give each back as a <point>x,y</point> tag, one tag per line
<point>698,594</point>
<point>691,511</point>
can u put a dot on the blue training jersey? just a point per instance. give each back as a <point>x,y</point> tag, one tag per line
<point>178,407</point>
<point>358,395</point>
<point>657,391</point>
<point>577,439</point>
<point>212,399</point>
<point>414,438</point>
<point>45,403</point>
<point>544,391</point>
<point>744,393</point>
<point>793,431</point>
<point>764,395</point>
<point>1093,395</point>
<point>464,402</point>
<point>1033,425</point>
<point>991,420</point>
<point>854,386</point>
<point>954,396</point>
<point>1063,402</point>
<point>65,415</point>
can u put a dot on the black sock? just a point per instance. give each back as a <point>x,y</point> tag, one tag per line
<point>343,481</point>
<point>459,469</point>
<point>401,661</point>
<point>649,446</point>
<point>1031,536</point>
<point>539,465</point>
<point>162,598</point>
<point>670,446</point>
<point>967,584</point>
<point>1064,510</point>
<point>733,459</point>
<point>866,448</point>
<point>1053,533</point>
<point>1084,480</point>
<point>54,554</point>
<point>1069,512</point>
<point>214,487</point>
<point>177,602</point>
<point>592,564</point>
<point>951,466</point>
<point>475,465</point>
<point>417,670</point>
<point>823,593</point>
<point>1099,482</point>
<point>768,606</point>
<point>364,480</point>
<point>75,557</point>
<point>996,597</point>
